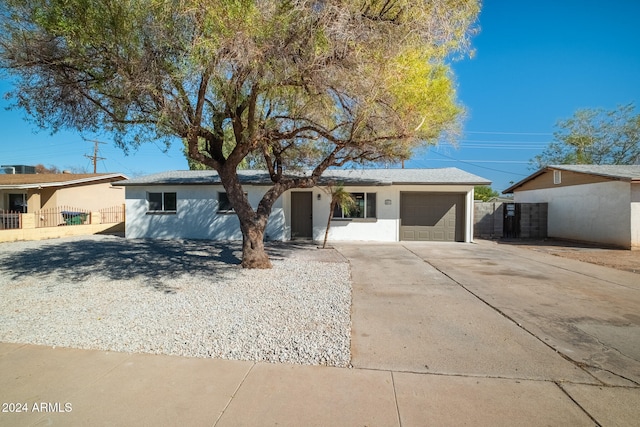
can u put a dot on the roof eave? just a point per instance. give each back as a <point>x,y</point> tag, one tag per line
<point>536,174</point>
<point>61,183</point>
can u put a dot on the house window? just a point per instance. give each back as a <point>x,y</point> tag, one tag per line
<point>365,207</point>
<point>18,203</point>
<point>557,177</point>
<point>162,202</point>
<point>224,205</point>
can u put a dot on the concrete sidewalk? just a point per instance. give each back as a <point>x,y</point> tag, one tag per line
<point>443,334</point>
<point>70,387</point>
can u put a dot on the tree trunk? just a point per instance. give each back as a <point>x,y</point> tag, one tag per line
<point>253,253</point>
<point>332,206</point>
<point>252,224</point>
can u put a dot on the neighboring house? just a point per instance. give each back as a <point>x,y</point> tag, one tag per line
<point>591,203</point>
<point>393,205</point>
<point>34,192</point>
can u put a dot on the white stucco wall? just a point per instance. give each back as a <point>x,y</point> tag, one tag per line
<point>597,212</point>
<point>635,215</point>
<point>196,215</point>
<point>383,228</point>
<point>386,226</point>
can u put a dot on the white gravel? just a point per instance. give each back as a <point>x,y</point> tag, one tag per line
<point>186,298</point>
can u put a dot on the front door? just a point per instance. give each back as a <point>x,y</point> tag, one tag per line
<point>301,215</point>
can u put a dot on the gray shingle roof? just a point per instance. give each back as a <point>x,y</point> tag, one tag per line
<point>627,172</point>
<point>341,176</point>
<point>621,172</point>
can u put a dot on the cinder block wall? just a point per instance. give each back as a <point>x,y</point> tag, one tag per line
<point>533,220</point>
<point>488,219</point>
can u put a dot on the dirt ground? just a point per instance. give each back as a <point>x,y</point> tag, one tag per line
<point>621,259</point>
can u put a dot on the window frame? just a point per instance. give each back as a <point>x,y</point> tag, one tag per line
<point>370,202</point>
<point>231,210</point>
<point>557,177</point>
<point>23,204</point>
<point>165,199</point>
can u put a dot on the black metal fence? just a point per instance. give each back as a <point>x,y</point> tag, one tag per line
<point>62,215</point>
<point>112,215</point>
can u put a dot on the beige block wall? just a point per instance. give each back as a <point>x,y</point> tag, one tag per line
<point>92,197</point>
<point>30,232</point>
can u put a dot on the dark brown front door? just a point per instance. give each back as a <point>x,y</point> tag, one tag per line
<point>301,215</point>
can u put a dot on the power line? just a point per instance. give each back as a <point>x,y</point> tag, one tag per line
<point>478,166</point>
<point>508,133</point>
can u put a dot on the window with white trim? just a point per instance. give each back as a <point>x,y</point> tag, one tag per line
<point>162,202</point>
<point>557,177</point>
<point>365,207</point>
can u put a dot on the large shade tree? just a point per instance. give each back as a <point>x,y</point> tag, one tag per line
<point>595,136</point>
<point>292,84</point>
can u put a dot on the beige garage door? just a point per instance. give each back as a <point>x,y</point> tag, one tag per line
<point>435,217</point>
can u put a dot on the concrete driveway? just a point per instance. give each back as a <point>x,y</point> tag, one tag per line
<point>549,327</point>
<point>442,335</point>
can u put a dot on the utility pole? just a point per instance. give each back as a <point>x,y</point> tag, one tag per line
<point>95,157</point>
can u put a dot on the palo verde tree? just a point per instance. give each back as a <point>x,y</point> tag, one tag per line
<point>595,136</point>
<point>297,84</point>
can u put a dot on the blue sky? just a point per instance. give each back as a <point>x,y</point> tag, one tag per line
<point>536,62</point>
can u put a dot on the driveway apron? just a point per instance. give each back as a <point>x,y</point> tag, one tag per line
<point>589,314</point>
<point>408,316</point>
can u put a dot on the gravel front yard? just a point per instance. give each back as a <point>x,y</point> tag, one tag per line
<point>186,298</point>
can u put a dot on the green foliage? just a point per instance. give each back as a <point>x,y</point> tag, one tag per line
<point>344,199</point>
<point>595,136</point>
<point>283,84</point>
<point>299,81</point>
<point>423,92</point>
<point>484,193</point>
<point>339,197</point>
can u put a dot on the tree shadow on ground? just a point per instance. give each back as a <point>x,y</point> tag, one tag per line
<point>282,250</point>
<point>156,262</point>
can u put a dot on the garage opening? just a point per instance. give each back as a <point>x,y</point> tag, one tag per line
<point>437,217</point>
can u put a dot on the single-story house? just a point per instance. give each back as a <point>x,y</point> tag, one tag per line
<point>392,205</point>
<point>34,192</point>
<point>591,203</point>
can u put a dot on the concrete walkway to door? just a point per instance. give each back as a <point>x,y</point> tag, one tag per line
<point>494,329</point>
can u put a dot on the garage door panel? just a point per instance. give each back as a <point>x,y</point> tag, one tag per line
<point>408,235</point>
<point>431,216</point>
